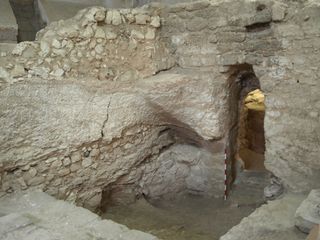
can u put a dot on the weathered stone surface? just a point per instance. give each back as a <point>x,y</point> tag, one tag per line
<point>109,117</point>
<point>36,215</point>
<point>181,168</point>
<point>113,94</point>
<point>155,21</point>
<point>142,19</point>
<point>275,220</point>
<point>18,71</point>
<point>279,11</point>
<point>308,213</point>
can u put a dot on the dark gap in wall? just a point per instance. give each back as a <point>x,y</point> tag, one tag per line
<point>28,19</point>
<point>234,96</point>
<point>258,27</point>
<point>246,143</point>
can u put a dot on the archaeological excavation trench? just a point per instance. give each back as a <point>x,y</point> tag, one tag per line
<point>159,120</point>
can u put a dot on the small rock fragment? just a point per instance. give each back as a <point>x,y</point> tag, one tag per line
<point>279,11</point>
<point>142,19</point>
<point>36,181</point>
<point>64,172</point>
<point>100,33</point>
<point>18,50</point>
<point>45,48</point>
<point>86,162</point>
<point>57,72</point>
<point>56,44</point>
<point>155,21</point>
<point>130,17</point>
<point>18,71</point>
<point>116,18</point>
<point>136,34</point>
<point>111,35</point>
<point>75,157</point>
<point>100,15</point>
<point>22,183</point>
<point>56,163</point>
<point>66,161</point>
<point>151,34</point>
<point>32,172</point>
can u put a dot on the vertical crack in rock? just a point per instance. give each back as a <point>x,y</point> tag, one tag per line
<point>107,118</point>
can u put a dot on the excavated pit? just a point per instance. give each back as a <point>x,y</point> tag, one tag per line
<point>155,115</point>
<point>189,214</point>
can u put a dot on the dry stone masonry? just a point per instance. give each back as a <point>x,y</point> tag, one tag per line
<point>113,104</point>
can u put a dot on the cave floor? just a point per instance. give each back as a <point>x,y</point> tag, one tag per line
<point>194,217</point>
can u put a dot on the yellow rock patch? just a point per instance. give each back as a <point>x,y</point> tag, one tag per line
<point>255,100</point>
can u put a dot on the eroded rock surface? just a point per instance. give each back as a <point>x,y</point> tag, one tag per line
<point>36,215</point>
<point>308,214</point>
<point>275,220</point>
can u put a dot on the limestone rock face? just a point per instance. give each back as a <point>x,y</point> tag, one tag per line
<point>36,215</point>
<point>264,35</point>
<point>87,108</point>
<point>275,220</point>
<point>91,116</point>
<point>180,168</point>
<point>107,132</point>
<point>308,213</point>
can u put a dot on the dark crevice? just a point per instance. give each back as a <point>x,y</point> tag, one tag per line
<point>261,7</point>
<point>258,27</point>
<point>107,118</point>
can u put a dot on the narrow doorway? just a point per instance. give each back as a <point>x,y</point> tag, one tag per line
<point>251,139</point>
<point>246,139</point>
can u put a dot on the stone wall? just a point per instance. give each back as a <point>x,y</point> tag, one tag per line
<point>90,116</point>
<point>79,139</point>
<point>88,111</point>
<point>280,40</point>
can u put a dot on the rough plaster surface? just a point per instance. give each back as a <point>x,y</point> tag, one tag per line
<point>87,106</point>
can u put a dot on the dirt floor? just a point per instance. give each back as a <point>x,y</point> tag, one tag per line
<point>194,217</point>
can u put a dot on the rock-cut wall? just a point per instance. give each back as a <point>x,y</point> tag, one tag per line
<point>280,40</point>
<point>114,104</point>
<point>89,113</point>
